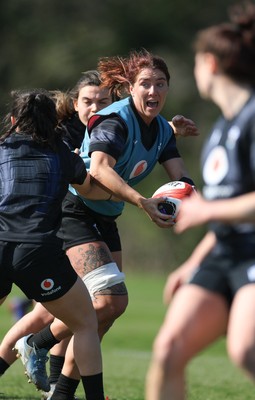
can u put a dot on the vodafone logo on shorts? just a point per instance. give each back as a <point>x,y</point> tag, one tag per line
<point>47,284</point>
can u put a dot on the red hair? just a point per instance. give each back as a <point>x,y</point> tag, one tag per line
<point>117,73</point>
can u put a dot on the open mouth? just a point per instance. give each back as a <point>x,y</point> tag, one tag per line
<point>152,104</point>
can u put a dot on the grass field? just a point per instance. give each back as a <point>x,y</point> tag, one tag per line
<point>126,354</point>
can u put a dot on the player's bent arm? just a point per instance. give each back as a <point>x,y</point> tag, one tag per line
<point>201,250</point>
<point>91,190</point>
<point>182,274</point>
<point>101,169</point>
<point>237,209</point>
<point>175,169</point>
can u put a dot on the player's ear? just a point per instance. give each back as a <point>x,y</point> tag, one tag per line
<point>212,61</point>
<point>75,104</point>
<point>13,120</point>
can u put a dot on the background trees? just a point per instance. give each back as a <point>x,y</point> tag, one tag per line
<point>48,43</point>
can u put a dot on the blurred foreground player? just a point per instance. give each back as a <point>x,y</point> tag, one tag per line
<point>214,290</point>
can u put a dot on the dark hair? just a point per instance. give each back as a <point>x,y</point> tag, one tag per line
<point>117,73</point>
<point>64,100</point>
<point>88,78</point>
<point>233,43</point>
<point>35,114</point>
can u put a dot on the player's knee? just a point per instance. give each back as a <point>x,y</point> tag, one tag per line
<point>108,309</point>
<point>243,357</point>
<point>46,319</point>
<point>169,353</point>
<point>118,307</point>
<point>40,316</point>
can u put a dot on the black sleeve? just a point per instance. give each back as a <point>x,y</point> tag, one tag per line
<point>170,151</point>
<point>73,131</point>
<point>72,164</point>
<point>79,169</point>
<point>109,136</point>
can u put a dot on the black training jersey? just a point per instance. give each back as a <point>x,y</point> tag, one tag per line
<point>73,131</point>
<point>33,182</point>
<point>228,161</point>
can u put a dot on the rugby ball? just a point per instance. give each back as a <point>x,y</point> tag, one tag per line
<point>173,192</point>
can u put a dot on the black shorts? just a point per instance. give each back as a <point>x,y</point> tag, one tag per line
<point>82,225</point>
<point>42,272</point>
<point>225,272</point>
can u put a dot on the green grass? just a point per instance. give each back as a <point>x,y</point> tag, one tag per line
<point>126,354</point>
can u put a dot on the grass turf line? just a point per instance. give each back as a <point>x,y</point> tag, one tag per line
<point>127,350</point>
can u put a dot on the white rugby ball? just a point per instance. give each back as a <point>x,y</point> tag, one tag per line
<point>173,192</point>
